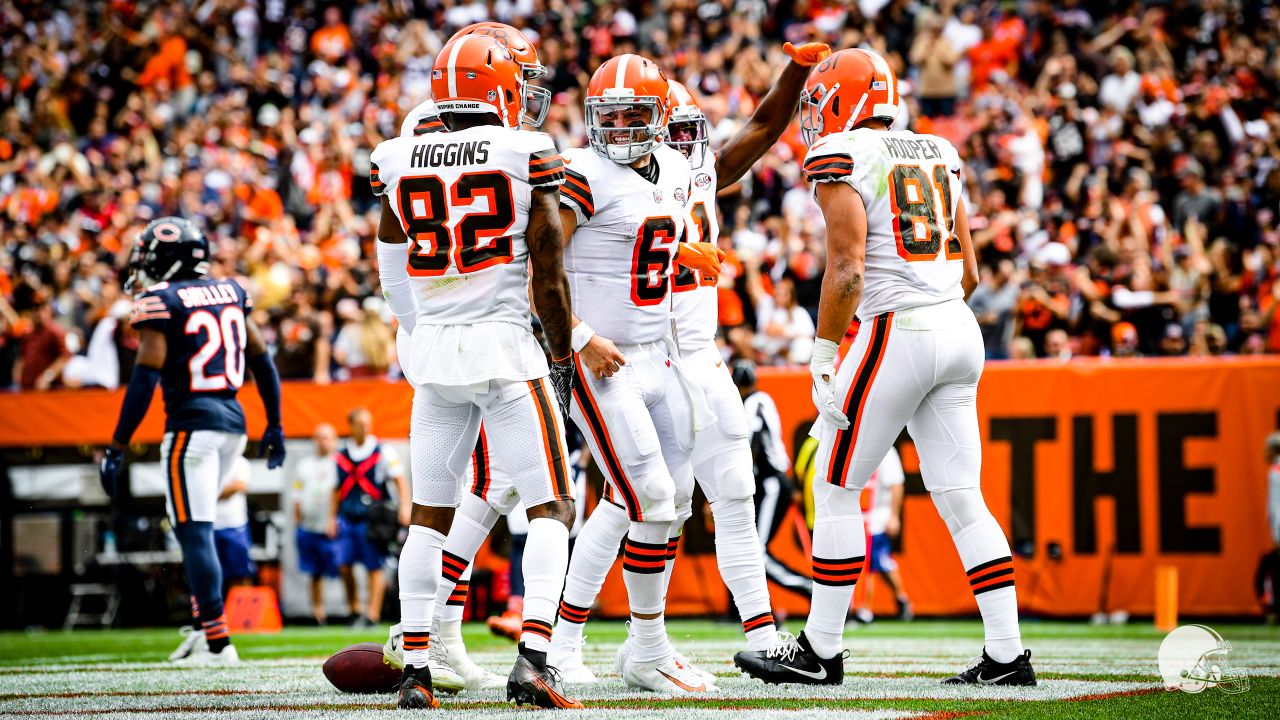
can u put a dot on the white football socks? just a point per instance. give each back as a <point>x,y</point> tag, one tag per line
<point>419,580</point>
<point>594,553</point>
<point>839,551</point>
<point>644,562</point>
<point>471,525</point>
<point>545,561</point>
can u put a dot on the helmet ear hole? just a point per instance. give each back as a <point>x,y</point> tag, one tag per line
<point>835,106</point>
<point>510,96</point>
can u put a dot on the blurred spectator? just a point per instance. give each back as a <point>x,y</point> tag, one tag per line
<point>1124,158</point>
<point>784,330</point>
<point>42,350</point>
<point>315,477</point>
<point>231,536</point>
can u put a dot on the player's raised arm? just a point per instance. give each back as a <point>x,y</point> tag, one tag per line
<point>267,381</point>
<point>551,288</point>
<point>846,218</point>
<point>771,117</point>
<point>152,351</point>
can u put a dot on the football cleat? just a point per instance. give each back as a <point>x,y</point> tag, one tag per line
<point>453,653</point>
<point>204,656</point>
<point>791,661</point>
<point>573,671</point>
<point>443,678</point>
<point>624,653</point>
<point>507,625</point>
<point>192,641</point>
<point>415,690</point>
<point>666,676</point>
<point>534,682</point>
<point>986,671</point>
<point>392,649</point>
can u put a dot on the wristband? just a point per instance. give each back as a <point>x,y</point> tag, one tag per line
<point>824,352</point>
<point>582,335</point>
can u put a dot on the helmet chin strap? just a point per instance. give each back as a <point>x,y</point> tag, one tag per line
<point>854,116</point>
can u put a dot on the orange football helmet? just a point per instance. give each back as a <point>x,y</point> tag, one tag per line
<point>687,127</point>
<point>537,100</point>
<point>845,90</point>
<point>477,74</point>
<point>627,108</point>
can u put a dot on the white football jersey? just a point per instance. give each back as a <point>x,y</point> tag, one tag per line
<point>421,120</point>
<point>463,199</point>
<point>696,305</point>
<point>910,184</point>
<point>620,257</point>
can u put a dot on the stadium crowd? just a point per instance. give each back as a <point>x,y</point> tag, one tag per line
<point>1123,161</point>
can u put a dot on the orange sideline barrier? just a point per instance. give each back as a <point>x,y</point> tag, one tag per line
<point>1126,465</point>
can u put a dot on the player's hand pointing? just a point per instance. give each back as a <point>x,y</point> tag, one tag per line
<point>807,54</point>
<point>602,357</point>
<point>822,367</point>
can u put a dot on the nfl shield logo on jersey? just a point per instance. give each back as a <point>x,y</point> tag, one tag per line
<point>657,196</point>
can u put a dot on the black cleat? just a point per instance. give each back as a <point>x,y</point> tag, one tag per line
<point>533,682</point>
<point>793,661</point>
<point>990,672</point>
<point>415,689</point>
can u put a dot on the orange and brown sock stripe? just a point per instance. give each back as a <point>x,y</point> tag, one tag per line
<point>216,629</point>
<point>452,566</point>
<point>573,613</point>
<point>417,641</point>
<point>458,597</point>
<point>991,575</point>
<point>644,558</point>
<point>836,572</point>
<point>763,620</point>
<point>533,626</point>
<point>672,545</point>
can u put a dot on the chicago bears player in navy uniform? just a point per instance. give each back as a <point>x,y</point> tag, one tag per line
<point>196,340</point>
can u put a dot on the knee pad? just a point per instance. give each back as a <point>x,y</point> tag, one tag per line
<point>831,501</point>
<point>734,514</point>
<point>961,508</point>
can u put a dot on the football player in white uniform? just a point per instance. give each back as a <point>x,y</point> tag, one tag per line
<point>900,255</point>
<point>466,217</point>
<point>721,455</point>
<point>451,668</point>
<point>623,208</point>
<point>423,118</point>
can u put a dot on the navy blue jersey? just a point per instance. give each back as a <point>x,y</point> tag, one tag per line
<point>206,330</point>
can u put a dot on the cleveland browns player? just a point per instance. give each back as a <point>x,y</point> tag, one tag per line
<point>899,255</point>
<point>467,216</point>
<point>721,455</point>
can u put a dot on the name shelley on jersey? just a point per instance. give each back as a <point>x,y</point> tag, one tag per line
<point>450,154</point>
<point>202,296</point>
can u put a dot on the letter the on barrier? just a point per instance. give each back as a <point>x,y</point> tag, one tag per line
<point>1177,481</point>
<point>1121,484</point>
<point>1022,434</point>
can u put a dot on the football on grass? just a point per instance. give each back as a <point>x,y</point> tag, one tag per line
<point>359,668</point>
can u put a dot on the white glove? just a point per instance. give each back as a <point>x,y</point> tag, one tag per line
<point>822,367</point>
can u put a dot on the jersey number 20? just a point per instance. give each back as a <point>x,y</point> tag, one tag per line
<point>425,206</point>
<point>919,221</point>
<point>225,333</point>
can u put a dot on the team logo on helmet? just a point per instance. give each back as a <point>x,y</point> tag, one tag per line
<point>1194,657</point>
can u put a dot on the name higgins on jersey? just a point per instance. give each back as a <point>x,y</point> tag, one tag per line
<point>450,154</point>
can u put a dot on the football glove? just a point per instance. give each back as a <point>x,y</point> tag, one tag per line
<point>706,258</point>
<point>822,367</point>
<point>109,469</point>
<point>272,446</point>
<point>562,382</point>
<point>807,54</point>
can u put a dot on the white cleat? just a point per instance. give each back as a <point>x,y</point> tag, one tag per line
<point>623,654</point>
<point>669,676</point>
<point>204,656</point>
<point>443,677</point>
<point>192,641</point>
<point>393,648</point>
<point>569,662</point>
<point>454,650</point>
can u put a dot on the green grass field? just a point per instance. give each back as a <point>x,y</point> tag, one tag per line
<point>892,672</point>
